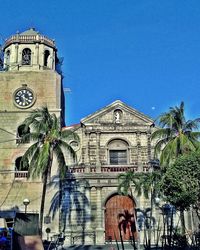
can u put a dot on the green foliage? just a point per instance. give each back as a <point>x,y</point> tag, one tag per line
<point>49,142</point>
<point>181,181</point>
<point>141,183</point>
<point>177,136</point>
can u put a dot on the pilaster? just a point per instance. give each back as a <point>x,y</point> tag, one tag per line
<point>139,160</point>
<point>86,158</point>
<point>98,162</point>
<point>16,53</point>
<point>99,229</point>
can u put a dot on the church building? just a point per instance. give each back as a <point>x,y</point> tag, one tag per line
<point>113,140</point>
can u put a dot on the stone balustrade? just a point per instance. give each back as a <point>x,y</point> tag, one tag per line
<point>30,38</point>
<point>92,169</point>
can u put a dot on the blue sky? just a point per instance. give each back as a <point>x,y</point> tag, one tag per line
<point>144,52</point>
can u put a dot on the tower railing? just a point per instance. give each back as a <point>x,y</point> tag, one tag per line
<point>29,39</point>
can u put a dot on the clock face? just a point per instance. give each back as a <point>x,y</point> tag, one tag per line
<point>24,98</point>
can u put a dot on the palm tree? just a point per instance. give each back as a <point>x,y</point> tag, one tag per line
<point>126,180</point>
<point>146,183</point>
<point>127,221</point>
<point>176,136</point>
<point>49,142</point>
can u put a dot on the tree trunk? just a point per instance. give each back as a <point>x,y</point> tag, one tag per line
<point>45,177</point>
<point>121,238</point>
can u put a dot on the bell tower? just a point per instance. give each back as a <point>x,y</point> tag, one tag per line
<point>29,50</point>
<point>29,80</point>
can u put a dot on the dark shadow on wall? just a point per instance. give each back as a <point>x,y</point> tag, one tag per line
<point>71,198</point>
<point>85,247</point>
<point>26,232</point>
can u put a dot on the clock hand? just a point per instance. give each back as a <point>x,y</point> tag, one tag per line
<point>25,98</point>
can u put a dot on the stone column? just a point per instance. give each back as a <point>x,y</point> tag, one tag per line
<point>149,146</point>
<point>139,161</point>
<point>98,162</point>
<point>88,208</point>
<point>37,53</point>
<point>87,149</point>
<point>41,55</point>
<point>99,229</point>
<point>53,60</point>
<point>86,157</point>
<point>16,53</point>
<point>88,230</point>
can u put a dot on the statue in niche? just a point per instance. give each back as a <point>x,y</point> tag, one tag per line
<point>117,116</point>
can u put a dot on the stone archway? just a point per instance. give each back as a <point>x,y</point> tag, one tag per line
<point>115,205</point>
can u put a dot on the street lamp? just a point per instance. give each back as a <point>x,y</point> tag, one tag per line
<point>157,201</point>
<point>26,203</point>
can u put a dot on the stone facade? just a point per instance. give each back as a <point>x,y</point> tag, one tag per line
<point>112,141</point>
<point>37,74</point>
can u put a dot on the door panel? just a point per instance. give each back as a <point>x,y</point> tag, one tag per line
<point>116,205</point>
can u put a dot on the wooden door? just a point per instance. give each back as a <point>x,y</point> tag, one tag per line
<point>119,205</point>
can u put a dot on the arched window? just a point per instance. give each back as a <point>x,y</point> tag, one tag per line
<point>46,58</point>
<point>21,166</point>
<point>23,134</point>
<point>7,58</point>
<point>26,56</point>
<point>118,152</point>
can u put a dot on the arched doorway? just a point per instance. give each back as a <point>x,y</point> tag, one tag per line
<point>119,210</point>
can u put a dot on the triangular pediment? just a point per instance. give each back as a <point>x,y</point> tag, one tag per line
<point>117,112</point>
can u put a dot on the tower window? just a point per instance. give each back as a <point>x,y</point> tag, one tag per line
<point>26,57</point>
<point>20,166</point>
<point>7,58</point>
<point>23,134</point>
<point>46,58</point>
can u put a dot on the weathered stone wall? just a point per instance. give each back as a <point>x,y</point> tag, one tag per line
<point>46,85</point>
<point>96,133</point>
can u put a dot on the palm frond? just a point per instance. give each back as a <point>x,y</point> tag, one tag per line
<point>64,145</point>
<point>69,135</point>
<point>162,133</point>
<point>44,157</point>
<point>62,168</point>
<point>176,136</point>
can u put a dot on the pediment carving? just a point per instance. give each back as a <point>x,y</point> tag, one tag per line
<point>116,114</point>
